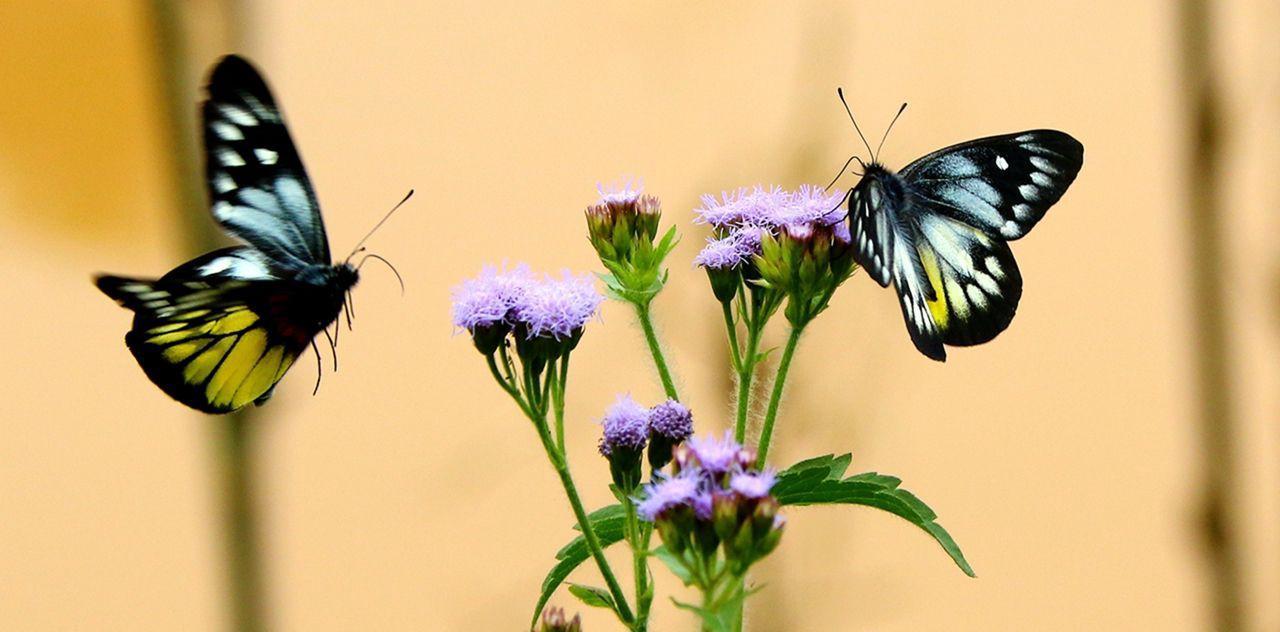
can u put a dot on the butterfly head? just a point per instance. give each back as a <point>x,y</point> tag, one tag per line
<point>879,186</point>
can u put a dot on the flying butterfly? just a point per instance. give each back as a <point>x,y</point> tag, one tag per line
<point>219,332</point>
<point>939,229</point>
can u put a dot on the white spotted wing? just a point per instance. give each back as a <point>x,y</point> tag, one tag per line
<point>938,230</point>
<point>1002,185</point>
<point>257,184</point>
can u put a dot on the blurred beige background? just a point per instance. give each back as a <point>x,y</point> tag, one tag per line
<point>1065,457</point>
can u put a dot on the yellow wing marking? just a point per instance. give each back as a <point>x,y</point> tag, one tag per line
<point>199,368</point>
<point>938,306</point>
<point>179,352</point>
<point>260,378</point>
<point>235,367</point>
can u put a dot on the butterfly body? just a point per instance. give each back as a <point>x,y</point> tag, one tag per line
<point>938,230</point>
<point>218,332</point>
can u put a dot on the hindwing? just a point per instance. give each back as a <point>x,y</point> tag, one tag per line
<point>211,341</point>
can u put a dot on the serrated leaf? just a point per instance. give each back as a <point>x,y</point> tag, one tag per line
<point>812,482</point>
<point>592,596</point>
<point>609,524</point>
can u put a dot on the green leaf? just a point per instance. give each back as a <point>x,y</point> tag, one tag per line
<point>609,524</point>
<point>817,482</point>
<point>592,596</point>
<point>675,563</point>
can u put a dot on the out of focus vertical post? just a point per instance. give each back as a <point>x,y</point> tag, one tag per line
<point>1206,271</point>
<point>189,36</point>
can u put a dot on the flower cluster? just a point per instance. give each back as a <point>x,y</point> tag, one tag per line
<point>794,242</point>
<point>622,226</point>
<point>629,427</point>
<point>716,500</point>
<point>546,314</point>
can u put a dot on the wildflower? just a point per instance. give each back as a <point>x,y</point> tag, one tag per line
<point>483,306</point>
<point>807,262</point>
<point>670,423</point>
<point>622,226</point>
<point>715,457</point>
<point>754,485</point>
<point>717,501</point>
<point>666,493</point>
<point>626,431</point>
<point>550,315</point>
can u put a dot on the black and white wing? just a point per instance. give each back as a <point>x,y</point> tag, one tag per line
<point>974,277</point>
<point>872,226</point>
<point>1001,185</point>
<point>257,184</point>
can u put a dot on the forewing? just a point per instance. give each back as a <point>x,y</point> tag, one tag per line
<point>872,226</point>
<point>207,340</point>
<point>1002,185</point>
<point>257,184</point>
<point>974,277</point>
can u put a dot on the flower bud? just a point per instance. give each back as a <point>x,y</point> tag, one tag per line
<point>555,620</point>
<point>626,430</point>
<point>670,423</point>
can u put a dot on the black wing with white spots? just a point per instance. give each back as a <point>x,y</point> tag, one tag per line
<point>1001,185</point>
<point>257,185</point>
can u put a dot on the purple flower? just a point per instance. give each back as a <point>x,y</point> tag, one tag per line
<point>742,207</point>
<point>704,504</point>
<point>557,307</point>
<point>490,298</point>
<point>626,191</point>
<point>671,420</point>
<point>666,493</point>
<point>730,251</point>
<point>626,426</point>
<point>716,456</point>
<point>754,485</point>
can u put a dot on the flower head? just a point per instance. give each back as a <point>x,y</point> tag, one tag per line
<point>557,308</point>
<point>670,423</point>
<point>671,420</point>
<point>489,298</point>
<point>626,426</point>
<point>755,485</point>
<point>715,456</point>
<point>667,493</point>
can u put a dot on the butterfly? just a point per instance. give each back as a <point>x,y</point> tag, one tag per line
<point>939,229</point>
<point>219,332</point>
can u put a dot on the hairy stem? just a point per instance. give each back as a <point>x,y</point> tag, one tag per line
<point>655,349</point>
<point>775,398</point>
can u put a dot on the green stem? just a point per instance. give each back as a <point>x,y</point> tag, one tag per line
<point>588,533</point>
<point>638,566</point>
<point>558,400</point>
<point>651,337</point>
<point>745,376</point>
<point>775,398</point>
<point>732,330</point>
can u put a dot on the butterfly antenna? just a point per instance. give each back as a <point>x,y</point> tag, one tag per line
<point>379,224</point>
<point>842,170</point>
<point>319,367</point>
<point>388,263</point>
<point>840,93</point>
<point>886,131</point>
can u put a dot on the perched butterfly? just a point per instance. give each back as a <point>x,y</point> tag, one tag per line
<point>939,229</point>
<point>219,332</point>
